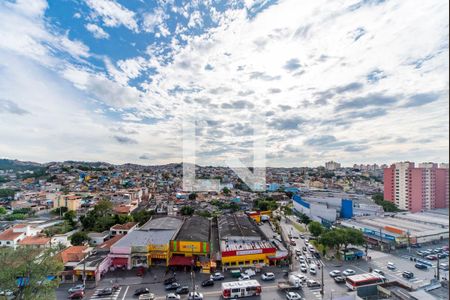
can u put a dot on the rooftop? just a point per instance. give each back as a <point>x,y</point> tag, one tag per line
<point>35,240</point>
<point>163,223</point>
<point>9,235</point>
<point>107,245</point>
<point>195,228</point>
<point>126,226</point>
<point>143,238</point>
<point>73,253</point>
<point>237,225</point>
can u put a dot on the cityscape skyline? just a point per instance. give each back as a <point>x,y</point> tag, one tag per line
<point>116,79</point>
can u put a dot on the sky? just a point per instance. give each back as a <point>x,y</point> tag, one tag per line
<point>357,81</point>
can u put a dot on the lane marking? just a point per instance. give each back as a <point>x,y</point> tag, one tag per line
<point>125,293</point>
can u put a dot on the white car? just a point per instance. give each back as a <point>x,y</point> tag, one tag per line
<point>217,276</point>
<point>195,296</point>
<point>312,270</point>
<point>78,287</point>
<point>379,272</point>
<point>268,276</point>
<point>335,273</point>
<point>301,259</point>
<point>244,277</point>
<point>349,272</point>
<point>173,296</point>
<point>293,296</point>
<point>391,266</point>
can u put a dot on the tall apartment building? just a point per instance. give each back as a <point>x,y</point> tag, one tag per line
<point>416,188</point>
<point>332,165</point>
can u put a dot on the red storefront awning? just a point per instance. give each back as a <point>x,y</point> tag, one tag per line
<point>181,261</point>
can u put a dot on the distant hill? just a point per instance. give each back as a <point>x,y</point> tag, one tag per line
<point>17,165</point>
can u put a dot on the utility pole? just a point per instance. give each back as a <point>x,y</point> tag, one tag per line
<point>437,268</point>
<point>323,283</point>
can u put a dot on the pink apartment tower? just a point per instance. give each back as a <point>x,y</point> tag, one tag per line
<point>417,188</point>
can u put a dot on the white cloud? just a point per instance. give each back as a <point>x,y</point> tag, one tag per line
<point>97,31</point>
<point>113,14</point>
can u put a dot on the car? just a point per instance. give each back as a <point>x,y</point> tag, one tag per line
<point>78,287</point>
<point>105,292</point>
<point>293,296</point>
<point>217,276</point>
<point>301,259</point>
<point>438,250</point>
<point>316,255</point>
<point>420,253</point>
<point>391,266</point>
<point>312,270</point>
<point>173,296</point>
<point>244,277</point>
<point>298,252</point>
<point>304,248</point>
<point>293,243</point>
<point>302,236</point>
<point>149,296</point>
<point>416,245</point>
<point>408,274</point>
<point>348,272</point>
<point>195,296</point>
<point>339,279</point>
<point>443,267</point>
<point>268,276</point>
<point>306,240</point>
<point>431,257</point>
<point>182,290</point>
<point>421,266</point>
<point>303,268</point>
<point>442,255</point>
<point>141,291</point>
<point>172,286</point>
<point>169,280</point>
<point>77,295</point>
<point>335,273</point>
<point>207,282</point>
<point>379,272</point>
<point>312,283</point>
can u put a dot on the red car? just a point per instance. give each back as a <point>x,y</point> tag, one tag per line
<point>140,271</point>
<point>77,295</point>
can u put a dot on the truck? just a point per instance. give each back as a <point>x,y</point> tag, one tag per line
<point>294,282</point>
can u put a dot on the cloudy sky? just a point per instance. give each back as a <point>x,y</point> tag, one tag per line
<point>357,81</point>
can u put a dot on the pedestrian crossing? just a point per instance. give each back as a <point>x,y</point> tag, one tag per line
<point>113,296</point>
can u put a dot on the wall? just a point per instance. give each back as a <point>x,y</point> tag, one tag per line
<point>442,186</point>
<point>389,187</point>
<point>415,190</point>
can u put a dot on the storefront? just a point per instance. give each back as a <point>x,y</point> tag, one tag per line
<point>247,258</point>
<point>158,255</point>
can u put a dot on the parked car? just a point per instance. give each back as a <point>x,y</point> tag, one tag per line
<point>182,290</point>
<point>169,280</point>
<point>431,257</point>
<point>421,253</point>
<point>421,266</point>
<point>149,296</point>
<point>335,273</point>
<point>293,296</point>
<point>348,272</point>
<point>78,287</point>
<point>301,259</point>
<point>312,283</point>
<point>141,291</point>
<point>442,255</point>
<point>339,279</point>
<point>195,296</point>
<point>391,266</point>
<point>268,276</point>
<point>244,277</point>
<point>316,255</point>
<point>173,296</point>
<point>443,267</point>
<point>140,271</point>
<point>408,274</point>
<point>312,270</point>
<point>77,295</point>
<point>217,276</point>
<point>379,272</point>
<point>304,248</point>
<point>208,282</point>
<point>105,292</point>
<point>173,286</point>
<point>303,268</point>
<point>302,236</point>
<point>298,251</point>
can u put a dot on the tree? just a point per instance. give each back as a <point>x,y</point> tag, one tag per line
<point>315,228</point>
<point>79,238</point>
<point>31,266</point>
<point>103,207</point>
<point>187,210</point>
<point>122,219</point>
<point>353,237</point>
<point>69,217</point>
<point>304,219</point>
<point>142,216</point>
<point>59,211</point>
<point>2,210</point>
<point>226,191</point>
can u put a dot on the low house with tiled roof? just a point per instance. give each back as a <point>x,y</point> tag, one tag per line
<point>12,236</point>
<point>106,246</point>
<point>35,242</point>
<point>71,257</point>
<point>123,229</point>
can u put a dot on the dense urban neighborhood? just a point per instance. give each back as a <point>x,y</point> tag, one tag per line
<point>103,231</point>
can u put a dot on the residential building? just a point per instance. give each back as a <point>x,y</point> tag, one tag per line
<point>97,238</point>
<point>12,237</point>
<point>417,188</point>
<point>122,229</point>
<point>71,257</point>
<point>72,202</point>
<point>332,165</point>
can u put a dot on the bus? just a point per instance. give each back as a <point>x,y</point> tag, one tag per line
<point>355,281</point>
<point>241,289</point>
